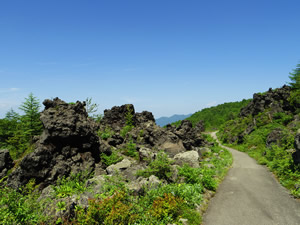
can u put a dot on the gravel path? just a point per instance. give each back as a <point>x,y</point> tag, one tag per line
<point>250,195</point>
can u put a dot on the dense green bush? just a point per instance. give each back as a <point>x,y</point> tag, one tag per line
<point>130,149</point>
<point>74,184</point>
<point>160,167</point>
<point>106,133</point>
<point>20,207</point>
<point>113,158</point>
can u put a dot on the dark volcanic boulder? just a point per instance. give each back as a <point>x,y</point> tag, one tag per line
<point>68,144</point>
<point>115,118</point>
<point>6,162</point>
<point>274,137</point>
<point>190,135</point>
<point>143,117</point>
<point>146,133</point>
<point>296,154</point>
<point>276,100</point>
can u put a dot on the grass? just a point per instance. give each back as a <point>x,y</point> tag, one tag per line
<point>116,204</point>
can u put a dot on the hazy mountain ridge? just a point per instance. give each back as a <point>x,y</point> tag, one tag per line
<point>162,121</point>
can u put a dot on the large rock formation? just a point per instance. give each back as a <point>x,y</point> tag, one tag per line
<point>6,162</point>
<point>146,133</point>
<point>68,144</point>
<point>276,100</point>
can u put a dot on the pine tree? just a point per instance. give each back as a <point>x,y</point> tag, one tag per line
<point>295,78</point>
<point>295,84</point>
<point>31,120</point>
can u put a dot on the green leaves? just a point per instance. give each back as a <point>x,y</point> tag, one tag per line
<point>160,167</point>
<point>19,207</point>
<point>295,78</point>
<point>72,185</point>
<point>31,120</point>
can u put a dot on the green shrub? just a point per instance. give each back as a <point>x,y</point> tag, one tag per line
<point>111,159</point>
<point>125,130</point>
<point>111,185</point>
<point>73,184</point>
<point>282,118</point>
<point>191,175</point>
<point>106,133</point>
<point>208,180</point>
<point>129,123</point>
<point>130,149</point>
<point>168,208</point>
<point>114,209</point>
<point>160,167</point>
<point>191,193</point>
<point>20,207</point>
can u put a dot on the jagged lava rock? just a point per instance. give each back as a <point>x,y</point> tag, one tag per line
<point>6,162</point>
<point>68,144</point>
<point>276,99</point>
<point>296,154</point>
<point>115,118</point>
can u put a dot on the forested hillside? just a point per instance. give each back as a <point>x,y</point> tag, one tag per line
<point>215,116</point>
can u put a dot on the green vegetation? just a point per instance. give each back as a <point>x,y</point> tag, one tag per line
<point>166,204</point>
<point>295,84</point>
<point>130,149</point>
<point>215,116</point>
<point>278,156</point>
<point>113,158</point>
<point>20,207</point>
<point>17,131</point>
<point>106,133</point>
<point>250,134</point>
<point>91,109</point>
<point>74,184</point>
<point>129,122</point>
<point>162,205</point>
<point>160,167</point>
<point>295,78</point>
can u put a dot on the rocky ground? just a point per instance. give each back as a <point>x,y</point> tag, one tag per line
<point>122,145</point>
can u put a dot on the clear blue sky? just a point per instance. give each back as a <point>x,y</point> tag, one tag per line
<point>164,56</point>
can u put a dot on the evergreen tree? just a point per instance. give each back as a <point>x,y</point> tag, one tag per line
<point>31,123</point>
<point>8,126</point>
<point>295,78</point>
<point>11,115</point>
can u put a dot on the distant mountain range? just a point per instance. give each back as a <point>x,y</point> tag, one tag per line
<point>162,121</point>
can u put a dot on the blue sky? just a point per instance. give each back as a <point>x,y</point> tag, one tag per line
<point>164,56</point>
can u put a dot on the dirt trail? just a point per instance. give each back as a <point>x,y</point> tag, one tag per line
<point>250,195</point>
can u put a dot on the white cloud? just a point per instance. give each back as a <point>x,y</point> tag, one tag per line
<point>210,104</point>
<point>14,89</point>
<point>8,90</point>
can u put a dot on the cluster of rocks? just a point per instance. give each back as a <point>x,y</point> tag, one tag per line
<point>6,162</point>
<point>270,104</point>
<point>275,100</point>
<point>145,132</point>
<point>70,144</point>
